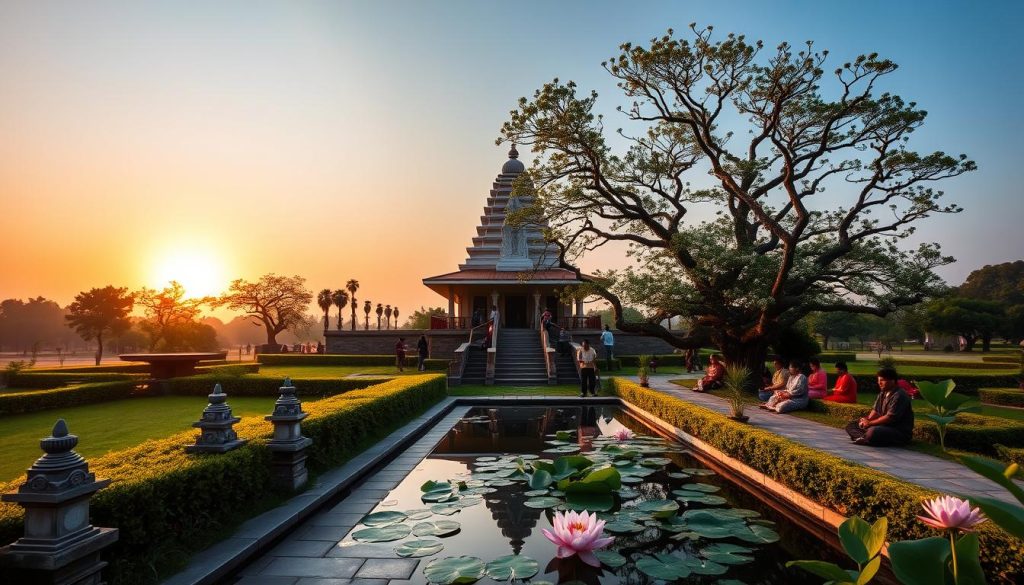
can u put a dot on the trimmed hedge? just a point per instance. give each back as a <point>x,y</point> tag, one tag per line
<point>235,369</point>
<point>631,361</point>
<point>308,388</point>
<point>331,359</point>
<point>1010,454</point>
<point>956,364</point>
<point>965,384</point>
<point>125,368</point>
<point>44,380</point>
<point>22,402</point>
<point>1002,396</point>
<point>844,486</point>
<point>970,432</point>
<point>1001,359</point>
<point>833,357</point>
<point>161,497</point>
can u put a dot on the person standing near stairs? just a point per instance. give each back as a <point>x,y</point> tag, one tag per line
<point>587,358</point>
<point>608,340</point>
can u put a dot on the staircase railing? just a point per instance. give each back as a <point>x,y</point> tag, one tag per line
<point>549,357</point>
<point>462,352</point>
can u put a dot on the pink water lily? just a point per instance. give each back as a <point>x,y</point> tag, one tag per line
<point>623,434</point>
<point>578,534</point>
<point>949,513</point>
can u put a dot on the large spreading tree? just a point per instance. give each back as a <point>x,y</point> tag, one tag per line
<point>279,302</point>
<point>170,318</point>
<point>751,194</point>
<point>100,311</point>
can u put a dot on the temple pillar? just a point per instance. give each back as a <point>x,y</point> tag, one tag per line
<point>536,310</point>
<point>579,308</point>
<point>451,307</point>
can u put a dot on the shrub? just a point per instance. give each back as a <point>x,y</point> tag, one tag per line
<point>1002,396</point>
<point>229,369</point>
<point>1010,454</point>
<point>633,361</point>
<point>970,432</point>
<point>161,497</point>
<point>846,487</point>
<point>965,383</point>
<point>43,380</point>
<point>1001,359</point>
<point>955,364</point>
<point>22,402</point>
<point>833,357</point>
<point>313,359</point>
<point>309,389</point>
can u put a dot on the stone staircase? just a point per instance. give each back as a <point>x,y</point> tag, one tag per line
<point>476,366</point>
<point>520,360</point>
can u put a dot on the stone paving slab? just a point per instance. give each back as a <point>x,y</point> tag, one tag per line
<point>303,567</point>
<point>911,466</point>
<point>388,568</point>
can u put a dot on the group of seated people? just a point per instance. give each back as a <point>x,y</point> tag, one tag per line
<point>890,421</point>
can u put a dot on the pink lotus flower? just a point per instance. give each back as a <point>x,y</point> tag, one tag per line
<point>623,434</point>
<point>578,534</point>
<point>949,513</point>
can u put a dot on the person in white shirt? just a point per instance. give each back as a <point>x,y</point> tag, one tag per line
<point>608,341</point>
<point>587,358</point>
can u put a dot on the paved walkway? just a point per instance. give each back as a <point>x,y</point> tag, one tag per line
<point>919,468</point>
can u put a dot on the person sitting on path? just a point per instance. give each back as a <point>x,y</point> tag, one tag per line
<point>712,376</point>
<point>846,386</point>
<point>817,381</point>
<point>779,378</point>
<point>400,354</point>
<point>891,420</point>
<point>794,396</point>
<point>587,358</point>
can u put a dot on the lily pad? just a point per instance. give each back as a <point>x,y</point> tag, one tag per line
<point>760,535</point>
<point>589,501</point>
<point>663,566</point>
<point>418,514</point>
<point>727,554</point>
<point>678,475</point>
<point>444,509</point>
<point>512,567</point>
<point>540,479</point>
<point>622,526</point>
<point>660,508</point>
<point>419,548</point>
<point>631,479</point>
<point>436,528</point>
<point>467,501</point>
<point>383,518</point>
<point>698,497</point>
<point>542,502</point>
<point>610,558</point>
<point>500,483</point>
<point>628,493</point>
<point>697,471</point>
<point>535,493</point>
<point>655,461</point>
<point>454,570</point>
<point>382,533</point>
<point>701,487</point>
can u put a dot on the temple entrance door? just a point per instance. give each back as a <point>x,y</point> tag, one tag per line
<point>515,312</point>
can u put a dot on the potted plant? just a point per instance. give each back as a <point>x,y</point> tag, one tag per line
<point>734,381</point>
<point>643,372</point>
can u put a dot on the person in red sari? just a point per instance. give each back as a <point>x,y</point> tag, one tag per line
<point>712,375</point>
<point>817,381</point>
<point>846,386</point>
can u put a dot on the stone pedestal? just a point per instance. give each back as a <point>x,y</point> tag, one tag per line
<point>59,547</point>
<point>288,445</point>
<point>217,434</point>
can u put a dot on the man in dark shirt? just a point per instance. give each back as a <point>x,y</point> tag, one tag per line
<point>891,420</point>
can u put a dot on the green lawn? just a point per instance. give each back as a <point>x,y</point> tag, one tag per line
<point>332,371</point>
<point>110,426</point>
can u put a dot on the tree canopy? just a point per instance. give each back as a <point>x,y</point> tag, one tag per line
<point>750,194</point>
<point>971,319</point>
<point>99,311</point>
<point>279,302</point>
<point>170,319</point>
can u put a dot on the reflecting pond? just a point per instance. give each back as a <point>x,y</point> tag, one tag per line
<point>496,480</point>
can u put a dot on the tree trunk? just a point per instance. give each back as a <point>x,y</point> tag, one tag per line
<point>99,349</point>
<point>271,335</point>
<point>986,343</point>
<point>750,355</point>
<point>353,313</point>
<point>327,322</point>
<point>824,339</point>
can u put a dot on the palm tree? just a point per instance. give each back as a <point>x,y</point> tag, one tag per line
<point>387,313</point>
<point>366,310</point>
<point>380,311</point>
<point>340,299</point>
<point>353,285</point>
<point>395,313</point>
<point>324,300</point>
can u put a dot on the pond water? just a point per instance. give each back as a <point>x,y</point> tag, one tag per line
<point>673,519</point>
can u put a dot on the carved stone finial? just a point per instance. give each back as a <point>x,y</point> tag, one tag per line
<point>216,424</point>
<point>288,445</point>
<point>513,153</point>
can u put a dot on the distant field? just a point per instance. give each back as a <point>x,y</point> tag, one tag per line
<point>106,427</point>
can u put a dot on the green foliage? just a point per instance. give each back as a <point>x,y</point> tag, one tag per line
<point>312,359</point>
<point>736,381</point>
<point>971,318</point>
<point>1007,516</point>
<point>98,312</point>
<point>862,543</point>
<point>21,402</point>
<point>159,490</point>
<point>945,403</point>
<point>828,480</point>
<point>249,385</point>
<point>279,302</point>
<point>795,343</point>
<point>643,367</point>
<point>1005,397</point>
<point>46,380</point>
<point>1010,454</point>
<point>420,318</point>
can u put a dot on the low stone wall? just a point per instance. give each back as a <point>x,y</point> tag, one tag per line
<point>443,343</point>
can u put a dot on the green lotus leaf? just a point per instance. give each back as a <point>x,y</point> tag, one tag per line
<point>660,508</point>
<point>382,533</point>
<point>589,501</point>
<point>678,475</point>
<point>419,548</point>
<point>535,493</point>
<point>500,483</point>
<point>541,479</point>
<point>610,558</point>
<point>486,459</point>
<point>479,491</point>
<point>436,528</point>
<point>697,471</point>
<point>631,479</point>
<point>383,518</point>
<point>467,501</point>
<point>664,567</point>
<point>454,570</point>
<point>628,493</point>
<point>622,526</point>
<point>563,435</point>
<point>511,567</point>
<point>727,554</point>
<point>431,486</point>
<point>655,461</point>
<point>542,502</point>
<point>444,509</point>
<point>700,487</point>
<point>758,534</point>
<point>418,513</point>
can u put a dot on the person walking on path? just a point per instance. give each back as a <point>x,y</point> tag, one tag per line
<point>400,350</point>
<point>587,358</point>
<point>422,350</point>
<point>608,341</point>
<point>891,420</point>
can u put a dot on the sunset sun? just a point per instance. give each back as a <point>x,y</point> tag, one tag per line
<point>201,273</point>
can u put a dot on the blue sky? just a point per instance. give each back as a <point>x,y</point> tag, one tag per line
<point>374,122</point>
